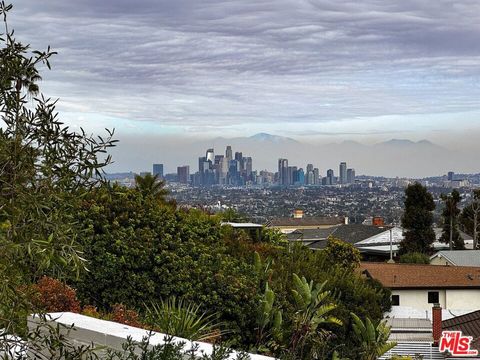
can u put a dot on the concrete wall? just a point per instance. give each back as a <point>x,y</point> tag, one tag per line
<point>88,330</point>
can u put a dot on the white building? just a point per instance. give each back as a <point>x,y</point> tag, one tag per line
<point>455,288</point>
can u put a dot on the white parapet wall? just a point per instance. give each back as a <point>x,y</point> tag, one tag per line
<point>88,330</point>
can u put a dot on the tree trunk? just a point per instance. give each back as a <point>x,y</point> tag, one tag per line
<point>475,227</point>
<point>451,232</point>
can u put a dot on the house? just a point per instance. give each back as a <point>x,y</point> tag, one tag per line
<point>387,241</point>
<point>420,286</point>
<point>317,238</point>
<point>456,258</point>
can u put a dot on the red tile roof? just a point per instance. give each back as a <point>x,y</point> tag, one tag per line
<point>408,276</point>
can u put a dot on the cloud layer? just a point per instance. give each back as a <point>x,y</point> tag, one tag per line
<point>291,67</point>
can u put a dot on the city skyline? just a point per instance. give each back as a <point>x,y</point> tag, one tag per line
<point>392,158</point>
<point>319,71</point>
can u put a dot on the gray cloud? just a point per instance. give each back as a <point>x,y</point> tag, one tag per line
<point>191,63</point>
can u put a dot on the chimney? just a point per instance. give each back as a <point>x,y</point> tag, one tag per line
<point>436,324</point>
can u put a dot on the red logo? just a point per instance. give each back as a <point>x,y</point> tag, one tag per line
<point>456,344</point>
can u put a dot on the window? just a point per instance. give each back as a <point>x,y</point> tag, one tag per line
<point>395,300</point>
<point>433,297</point>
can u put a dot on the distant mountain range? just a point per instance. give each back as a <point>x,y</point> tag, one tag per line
<point>395,157</point>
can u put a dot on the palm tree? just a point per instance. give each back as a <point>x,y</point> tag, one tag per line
<point>150,185</point>
<point>374,339</point>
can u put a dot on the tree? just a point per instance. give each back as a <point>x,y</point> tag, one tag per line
<point>45,168</point>
<point>151,185</point>
<point>341,253</point>
<point>450,233</point>
<point>470,218</point>
<point>417,220</point>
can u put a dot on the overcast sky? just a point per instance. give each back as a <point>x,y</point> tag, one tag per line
<point>316,70</point>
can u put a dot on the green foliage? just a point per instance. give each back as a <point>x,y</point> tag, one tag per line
<point>312,315</point>
<point>183,319</point>
<point>273,236</point>
<point>450,233</point>
<point>168,350</point>
<point>470,218</point>
<point>45,167</point>
<point>415,258</point>
<point>269,321</point>
<point>158,252</point>
<point>341,253</point>
<point>151,185</point>
<point>373,338</point>
<point>231,215</point>
<point>349,291</point>
<point>417,220</point>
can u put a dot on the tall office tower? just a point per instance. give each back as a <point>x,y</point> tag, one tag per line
<point>233,172</point>
<point>158,170</point>
<point>248,167</point>
<point>316,176</point>
<point>201,164</point>
<point>210,155</point>
<point>300,177</point>
<point>291,170</point>
<point>310,178</point>
<point>451,175</point>
<point>309,168</point>
<point>217,168</point>
<point>343,173</point>
<point>228,153</point>
<point>223,166</point>
<point>330,177</point>
<point>282,171</point>
<point>183,174</point>
<point>217,159</point>
<point>204,166</point>
<point>351,176</point>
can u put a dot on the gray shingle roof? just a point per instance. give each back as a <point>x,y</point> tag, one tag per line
<point>460,257</point>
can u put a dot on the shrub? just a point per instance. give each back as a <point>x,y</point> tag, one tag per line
<point>415,258</point>
<point>183,319</point>
<point>51,295</point>
<point>122,315</point>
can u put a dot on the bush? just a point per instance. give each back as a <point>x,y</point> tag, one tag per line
<point>51,295</point>
<point>415,258</point>
<point>158,251</point>
<point>122,315</point>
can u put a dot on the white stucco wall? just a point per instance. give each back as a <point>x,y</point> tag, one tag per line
<point>418,299</point>
<point>463,299</point>
<point>450,299</point>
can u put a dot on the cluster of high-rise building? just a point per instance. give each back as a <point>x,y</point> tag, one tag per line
<point>234,169</point>
<point>291,175</point>
<point>228,169</point>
